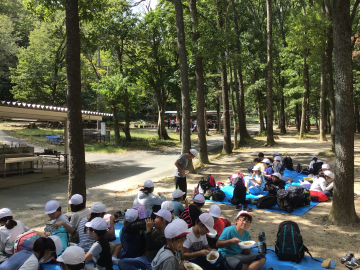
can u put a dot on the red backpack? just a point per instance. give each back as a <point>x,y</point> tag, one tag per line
<point>317,196</point>
<point>211,180</point>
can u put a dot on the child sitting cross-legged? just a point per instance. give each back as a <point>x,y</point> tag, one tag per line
<point>155,240</point>
<point>236,258</point>
<point>175,234</point>
<point>100,250</point>
<point>178,197</point>
<point>196,247</point>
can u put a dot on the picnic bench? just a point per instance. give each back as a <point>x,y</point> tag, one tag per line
<point>21,161</point>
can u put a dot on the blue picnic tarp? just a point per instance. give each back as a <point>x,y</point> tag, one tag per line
<point>229,190</point>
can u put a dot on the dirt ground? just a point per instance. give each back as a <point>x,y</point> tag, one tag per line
<point>323,239</point>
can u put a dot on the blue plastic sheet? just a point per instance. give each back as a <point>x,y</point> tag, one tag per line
<point>306,263</point>
<point>118,226</point>
<point>229,190</point>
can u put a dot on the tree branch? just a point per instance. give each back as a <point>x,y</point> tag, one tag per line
<point>353,13</point>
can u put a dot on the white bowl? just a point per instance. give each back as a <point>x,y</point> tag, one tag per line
<point>217,257</point>
<point>195,266</point>
<point>242,246</point>
<point>212,235</point>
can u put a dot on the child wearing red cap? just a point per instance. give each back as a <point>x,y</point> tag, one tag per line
<point>235,257</point>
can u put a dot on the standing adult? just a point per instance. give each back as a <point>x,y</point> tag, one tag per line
<point>180,166</point>
<point>169,122</point>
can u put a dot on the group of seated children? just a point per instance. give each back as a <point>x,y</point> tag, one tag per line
<point>177,235</point>
<point>263,172</point>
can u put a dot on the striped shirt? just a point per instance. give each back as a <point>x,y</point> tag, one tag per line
<point>78,216</point>
<point>85,241</point>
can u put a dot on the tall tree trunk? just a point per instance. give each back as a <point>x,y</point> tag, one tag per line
<point>199,72</point>
<point>304,101</point>
<point>77,170</point>
<point>185,89</point>
<point>221,6</point>
<point>343,208</point>
<point>297,117</point>
<point>231,86</point>
<point>269,123</point>
<point>357,118</point>
<point>218,113</point>
<point>238,106</point>
<point>261,118</point>
<point>119,50</point>
<point>179,118</point>
<point>241,110</point>
<point>308,127</point>
<point>116,122</point>
<point>162,132</point>
<point>322,101</point>
<point>329,70</point>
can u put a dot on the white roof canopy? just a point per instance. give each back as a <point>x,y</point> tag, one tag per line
<point>35,112</point>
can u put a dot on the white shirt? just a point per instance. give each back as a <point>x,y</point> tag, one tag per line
<point>320,184</point>
<point>31,263</point>
<point>194,244</point>
<point>8,237</point>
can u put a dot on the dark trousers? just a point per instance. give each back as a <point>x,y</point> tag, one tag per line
<point>180,183</point>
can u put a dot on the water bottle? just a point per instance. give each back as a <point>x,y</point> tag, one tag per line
<point>307,197</point>
<point>262,243</point>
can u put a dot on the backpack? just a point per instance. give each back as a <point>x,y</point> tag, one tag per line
<point>267,201</point>
<point>61,233</point>
<point>218,195</point>
<point>288,164</point>
<point>239,195</point>
<point>25,241</point>
<point>317,196</point>
<point>316,168</point>
<point>283,201</point>
<point>209,193</point>
<point>289,245</point>
<point>201,187</point>
<point>211,180</point>
<point>296,196</point>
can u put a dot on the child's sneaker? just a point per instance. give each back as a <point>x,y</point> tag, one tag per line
<point>353,263</point>
<point>346,258</point>
<point>247,208</point>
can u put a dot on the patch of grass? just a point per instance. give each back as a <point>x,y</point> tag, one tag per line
<point>142,139</point>
<point>327,153</point>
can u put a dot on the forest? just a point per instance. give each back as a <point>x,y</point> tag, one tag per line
<point>276,59</point>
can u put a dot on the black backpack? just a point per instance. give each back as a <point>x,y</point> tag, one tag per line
<point>218,195</point>
<point>297,196</point>
<point>204,185</point>
<point>209,193</point>
<point>239,195</point>
<point>289,245</point>
<point>283,201</point>
<point>267,201</point>
<point>316,168</point>
<point>288,164</point>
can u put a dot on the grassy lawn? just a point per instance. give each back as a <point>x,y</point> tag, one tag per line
<point>142,139</point>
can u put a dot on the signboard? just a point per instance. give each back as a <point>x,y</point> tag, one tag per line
<point>103,128</point>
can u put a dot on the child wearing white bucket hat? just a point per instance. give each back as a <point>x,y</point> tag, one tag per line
<point>178,196</point>
<point>228,244</point>
<point>196,247</point>
<point>73,258</point>
<point>10,229</point>
<point>175,234</point>
<point>146,197</point>
<point>180,167</point>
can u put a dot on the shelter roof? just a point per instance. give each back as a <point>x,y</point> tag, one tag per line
<point>26,111</point>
